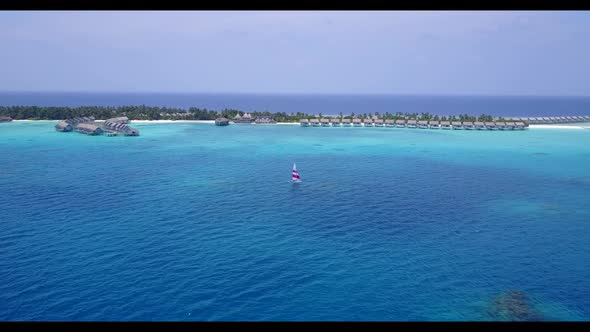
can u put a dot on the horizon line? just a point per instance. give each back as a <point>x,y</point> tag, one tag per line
<point>290,93</point>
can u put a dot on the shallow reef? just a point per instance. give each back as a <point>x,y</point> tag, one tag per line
<point>514,305</point>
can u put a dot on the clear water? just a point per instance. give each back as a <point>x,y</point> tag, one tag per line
<point>316,104</point>
<point>198,222</point>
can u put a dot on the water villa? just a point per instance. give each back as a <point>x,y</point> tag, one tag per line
<point>434,124</point>
<point>423,124</point>
<point>346,122</point>
<point>63,126</point>
<point>122,119</point>
<point>389,123</point>
<point>468,125</point>
<point>357,122</point>
<point>325,122</point>
<point>445,125</point>
<point>457,125</point>
<point>88,129</point>
<point>368,122</point>
<point>400,123</point>
<point>490,125</point>
<point>335,122</point>
<point>5,119</point>
<point>501,125</point>
<point>315,122</point>
<point>304,122</point>
<point>411,124</point>
<point>479,125</point>
<point>378,122</point>
<point>221,122</point>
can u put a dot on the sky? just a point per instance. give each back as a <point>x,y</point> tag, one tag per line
<point>543,53</point>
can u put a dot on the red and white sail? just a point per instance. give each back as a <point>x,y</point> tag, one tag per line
<point>295,177</point>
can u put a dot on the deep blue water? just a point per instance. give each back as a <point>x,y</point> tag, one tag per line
<point>315,104</point>
<point>197,222</point>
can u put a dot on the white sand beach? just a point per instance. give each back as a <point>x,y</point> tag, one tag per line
<point>552,126</point>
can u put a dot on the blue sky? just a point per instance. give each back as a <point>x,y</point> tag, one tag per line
<point>381,52</point>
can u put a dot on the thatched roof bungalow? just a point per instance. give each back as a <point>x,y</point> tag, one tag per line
<point>315,122</point>
<point>368,122</point>
<point>445,125</point>
<point>335,122</point>
<point>510,125</point>
<point>88,129</point>
<point>121,119</point>
<point>457,125</point>
<point>520,125</point>
<point>501,125</point>
<point>434,124</point>
<point>346,122</point>
<point>479,125</point>
<point>378,122</point>
<point>400,123</point>
<point>64,126</point>
<point>264,119</point>
<point>411,124</point>
<point>5,119</point>
<point>389,123</point>
<point>422,124</point>
<point>490,125</point>
<point>325,122</point>
<point>304,123</point>
<point>357,122</point>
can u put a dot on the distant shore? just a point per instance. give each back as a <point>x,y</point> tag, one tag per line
<point>533,126</point>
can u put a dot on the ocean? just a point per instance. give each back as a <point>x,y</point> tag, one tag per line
<point>194,222</point>
<point>316,104</point>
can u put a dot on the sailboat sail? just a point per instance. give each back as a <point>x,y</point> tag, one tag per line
<point>295,177</point>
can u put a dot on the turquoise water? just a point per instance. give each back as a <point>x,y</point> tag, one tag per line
<point>197,222</point>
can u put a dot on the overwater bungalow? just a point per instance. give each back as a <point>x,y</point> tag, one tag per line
<point>389,123</point>
<point>221,122</point>
<point>445,125</point>
<point>510,125</point>
<point>479,125</point>
<point>468,125</point>
<point>5,119</point>
<point>400,123</point>
<point>304,122</point>
<point>546,120</point>
<point>501,125</point>
<point>357,122</point>
<point>325,122</point>
<point>412,124</point>
<point>457,125</point>
<point>368,122</point>
<point>378,122</point>
<point>64,126</point>
<point>422,124</point>
<point>346,122</point>
<point>335,122</point>
<point>519,125</point>
<point>490,126</point>
<point>314,122</point>
<point>434,124</point>
<point>88,129</point>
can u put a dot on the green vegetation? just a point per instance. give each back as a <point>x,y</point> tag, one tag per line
<point>171,113</point>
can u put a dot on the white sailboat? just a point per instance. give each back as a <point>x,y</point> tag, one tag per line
<point>295,177</point>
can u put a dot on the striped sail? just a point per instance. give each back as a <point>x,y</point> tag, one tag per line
<point>295,177</point>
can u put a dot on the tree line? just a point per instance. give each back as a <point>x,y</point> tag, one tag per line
<point>144,112</point>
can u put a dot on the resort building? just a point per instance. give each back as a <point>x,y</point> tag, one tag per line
<point>325,122</point>
<point>346,122</point>
<point>490,125</point>
<point>400,123</point>
<point>389,123</point>
<point>445,125</point>
<point>434,124</point>
<point>63,126</point>
<point>221,122</point>
<point>88,129</point>
<point>378,122</point>
<point>479,125</point>
<point>304,122</point>
<point>411,124</point>
<point>357,122</point>
<point>501,125</point>
<point>264,120</point>
<point>510,125</point>
<point>122,119</point>
<point>335,122</point>
<point>368,122</point>
<point>246,118</point>
<point>423,124</point>
<point>5,119</point>
<point>457,125</point>
<point>314,122</point>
